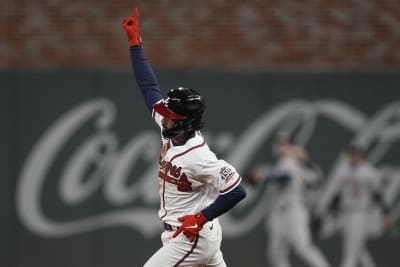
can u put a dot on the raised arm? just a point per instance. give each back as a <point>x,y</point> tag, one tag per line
<point>144,74</point>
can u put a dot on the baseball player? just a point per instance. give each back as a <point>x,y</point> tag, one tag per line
<point>194,186</point>
<point>358,185</point>
<point>288,221</point>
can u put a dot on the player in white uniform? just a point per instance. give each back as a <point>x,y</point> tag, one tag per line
<point>288,221</point>
<point>358,185</point>
<point>194,186</point>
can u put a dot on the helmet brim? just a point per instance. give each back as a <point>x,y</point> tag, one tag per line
<point>166,112</point>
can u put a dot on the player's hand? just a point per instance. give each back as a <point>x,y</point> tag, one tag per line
<point>191,225</point>
<point>131,27</point>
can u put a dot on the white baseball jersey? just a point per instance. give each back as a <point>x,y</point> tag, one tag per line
<point>292,194</point>
<point>190,177</point>
<point>355,186</point>
<point>288,222</point>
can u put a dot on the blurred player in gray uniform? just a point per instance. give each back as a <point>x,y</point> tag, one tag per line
<point>288,221</point>
<point>195,187</point>
<point>357,184</point>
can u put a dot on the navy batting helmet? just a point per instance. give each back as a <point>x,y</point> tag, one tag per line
<point>186,107</point>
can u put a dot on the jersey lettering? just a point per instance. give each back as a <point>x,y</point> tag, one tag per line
<point>167,166</point>
<point>184,185</point>
<point>177,176</point>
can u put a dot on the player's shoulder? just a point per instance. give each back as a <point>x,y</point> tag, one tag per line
<point>195,148</point>
<point>199,148</point>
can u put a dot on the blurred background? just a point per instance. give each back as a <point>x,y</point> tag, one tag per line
<point>79,149</point>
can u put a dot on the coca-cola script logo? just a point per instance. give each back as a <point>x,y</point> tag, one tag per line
<point>380,133</point>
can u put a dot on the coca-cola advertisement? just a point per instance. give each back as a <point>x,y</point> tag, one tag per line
<point>80,162</point>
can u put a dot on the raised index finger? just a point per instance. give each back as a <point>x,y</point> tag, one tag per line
<point>136,13</point>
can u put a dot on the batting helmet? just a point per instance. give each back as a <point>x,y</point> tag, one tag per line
<point>186,107</point>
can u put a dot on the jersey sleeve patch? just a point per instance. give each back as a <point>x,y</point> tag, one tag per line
<point>226,174</point>
<point>229,179</point>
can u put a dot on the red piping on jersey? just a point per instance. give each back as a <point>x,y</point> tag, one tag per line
<point>163,201</point>
<point>190,149</point>
<point>188,253</point>
<point>232,186</point>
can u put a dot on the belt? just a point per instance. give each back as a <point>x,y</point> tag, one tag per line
<point>168,227</point>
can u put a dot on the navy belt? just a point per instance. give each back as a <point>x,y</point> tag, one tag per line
<point>168,227</point>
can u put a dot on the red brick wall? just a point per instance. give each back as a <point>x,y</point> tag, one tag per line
<point>268,34</point>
